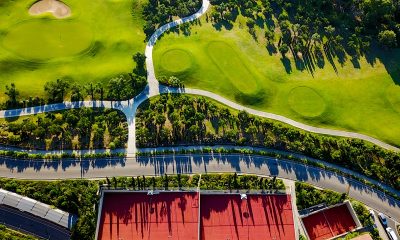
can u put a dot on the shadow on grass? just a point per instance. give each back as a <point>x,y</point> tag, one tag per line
<point>287,64</point>
<point>389,58</point>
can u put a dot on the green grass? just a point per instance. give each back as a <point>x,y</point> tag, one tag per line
<point>176,60</point>
<point>306,102</point>
<point>364,99</point>
<point>43,39</point>
<point>93,45</point>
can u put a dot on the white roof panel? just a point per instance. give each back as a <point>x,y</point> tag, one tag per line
<point>11,199</point>
<point>40,209</point>
<point>26,204</point>
<point>36,208</point>
<point>53,216</point>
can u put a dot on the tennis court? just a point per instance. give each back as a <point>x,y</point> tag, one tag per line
<point>329,223</point>
<point>257,217</point>
<point>167,215</point>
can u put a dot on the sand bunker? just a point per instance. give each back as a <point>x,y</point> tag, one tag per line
<point>57,8</point>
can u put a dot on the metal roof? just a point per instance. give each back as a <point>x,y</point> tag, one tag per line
<point>37,208</point>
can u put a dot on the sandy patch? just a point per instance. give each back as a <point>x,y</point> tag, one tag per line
<point>55,7</point>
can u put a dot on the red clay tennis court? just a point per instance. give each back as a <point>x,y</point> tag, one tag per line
<point>329,223</point>
<point>131,216</point>
<point>259,217</point>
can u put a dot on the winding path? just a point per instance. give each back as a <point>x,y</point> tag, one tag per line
<point>153,88</point>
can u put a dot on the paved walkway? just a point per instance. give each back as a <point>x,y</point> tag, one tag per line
<point>153,88</point>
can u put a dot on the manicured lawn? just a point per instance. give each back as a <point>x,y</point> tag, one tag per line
<point>93,45</point>
<point>358,96</point>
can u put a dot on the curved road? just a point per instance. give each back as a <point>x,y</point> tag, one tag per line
<point>198,163</point>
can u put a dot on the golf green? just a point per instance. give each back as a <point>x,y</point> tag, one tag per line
<point>176,60</point>
<point>42,39</point>
<point>306,102</point>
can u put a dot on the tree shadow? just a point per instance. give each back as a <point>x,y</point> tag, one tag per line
<point>287,64</point>
<point>222,24</point>
<point>320,58</point>
<point>390,59</point>
<point>271,49</point>
<point>355,61</point>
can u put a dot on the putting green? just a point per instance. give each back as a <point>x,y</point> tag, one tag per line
<point>306,102</point>
<point>232,66</point>
<point>43,39</point>
<point>393,96</point>
<point>176,60</point>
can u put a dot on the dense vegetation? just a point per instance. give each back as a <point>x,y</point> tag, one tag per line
<point>308,196</point>
<point>122,87</point>
<point>74,196</point>
<point>159,12</point>
<point>84,128</point>
<point>179,119</point>
<point>305,27</point>
<point>226,181</point>
<point>9,234</point>
<point>156,182</point>
<point>249,182</point>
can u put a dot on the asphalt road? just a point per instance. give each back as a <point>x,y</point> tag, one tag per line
<point>28,223</point>
<point>199,164</point>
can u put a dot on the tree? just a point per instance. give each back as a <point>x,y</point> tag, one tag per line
<point>377,11</point>
<point>90,90</point>
<point>165,181</point>
<point>269,35</point>
<point>140,60</point>
<point>284,49</point>
<point>153,180</point>
<point>138,182</point>
<point>56,90</point>
<point>12,94</point>
<point>76,93</point>
<point>174,81</point>
<point>99,88</point>
<point>235,182</point>
<point>387,38</point>
<point>115,182</point>
<point>179,181</point>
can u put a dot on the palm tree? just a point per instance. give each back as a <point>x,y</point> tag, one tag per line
<point>12,94</point>
<point>90,90</point>
<point>100,90</point>
<point>133,183</point>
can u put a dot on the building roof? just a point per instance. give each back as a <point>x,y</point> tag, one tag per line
<point>37,208</point>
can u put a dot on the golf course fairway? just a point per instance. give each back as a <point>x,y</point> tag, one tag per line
<point>92,44</point>
<point>361,96</point>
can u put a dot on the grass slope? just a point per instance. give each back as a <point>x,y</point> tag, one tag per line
<point>356,96</point>
<point>93,45</point>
